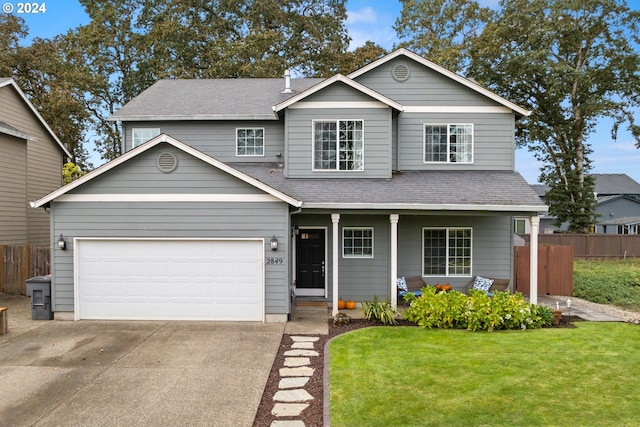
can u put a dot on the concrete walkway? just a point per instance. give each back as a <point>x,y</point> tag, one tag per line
<point>581,311</point>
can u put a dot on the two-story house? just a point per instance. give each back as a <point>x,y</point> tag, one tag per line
<point>232,192</point>
<point>32,159</point>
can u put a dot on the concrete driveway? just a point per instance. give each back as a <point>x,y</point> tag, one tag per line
<point>99,373</point>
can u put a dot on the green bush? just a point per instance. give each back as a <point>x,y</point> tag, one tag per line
<point>475,312</point>
<point>379,311</point>
<point>614,282</point>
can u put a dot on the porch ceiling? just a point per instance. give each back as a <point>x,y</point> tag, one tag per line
<point>501,191</point>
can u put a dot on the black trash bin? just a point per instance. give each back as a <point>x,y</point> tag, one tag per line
<point>39,289</point>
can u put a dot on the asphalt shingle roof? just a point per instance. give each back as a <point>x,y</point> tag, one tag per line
<point>211,99</point>
<point>490,188</point>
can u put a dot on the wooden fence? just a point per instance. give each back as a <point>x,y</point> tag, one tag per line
<point>555,270</point>
<point>19,263</point>
<point>595,245</point>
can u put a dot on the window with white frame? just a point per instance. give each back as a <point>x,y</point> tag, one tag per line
<point>338,145</point>
<point>142,135</point>
<point>357,242</point>
<point>250,142</point>
<point>448,143</point>
<point>446,251</point>
<point>519,225</point>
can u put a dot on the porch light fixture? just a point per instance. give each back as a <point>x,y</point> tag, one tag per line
<point>296,230</point>
<point>61,243</point>
<point>274,243</point>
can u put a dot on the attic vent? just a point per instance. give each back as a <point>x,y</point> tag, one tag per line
<point>167,162</point>
<point>400,72</point>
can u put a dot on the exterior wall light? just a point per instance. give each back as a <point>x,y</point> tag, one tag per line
<point>61,243</point>
<point>274,243</point>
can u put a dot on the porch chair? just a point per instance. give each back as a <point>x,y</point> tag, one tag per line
<point>488,284</point>
<point>411,284</point>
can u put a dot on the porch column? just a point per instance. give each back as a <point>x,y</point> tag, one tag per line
<point>335,238</point>
<point>393,219</point>
<point>533,260</point>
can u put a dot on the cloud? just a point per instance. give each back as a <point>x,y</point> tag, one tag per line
<point>366,15</point>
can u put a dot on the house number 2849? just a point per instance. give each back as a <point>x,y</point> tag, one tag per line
<point>275,260</point>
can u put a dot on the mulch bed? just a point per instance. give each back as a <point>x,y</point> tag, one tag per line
<point>313,415</point>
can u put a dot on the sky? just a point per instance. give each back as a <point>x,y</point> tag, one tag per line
<point>367,20</point>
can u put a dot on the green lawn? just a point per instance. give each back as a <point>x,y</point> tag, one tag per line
<point>409,376</point>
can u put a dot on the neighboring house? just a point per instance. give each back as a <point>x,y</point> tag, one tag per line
<point>617,205</point>
<point>32,157</point>
<point>250,186</point>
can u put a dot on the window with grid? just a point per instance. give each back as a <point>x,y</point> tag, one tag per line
<point>142,135</point>
<point>357,242</point>
<point>338,145</point>
<point>250,142</point>
<point>448,143</point>
<point>446,251</point>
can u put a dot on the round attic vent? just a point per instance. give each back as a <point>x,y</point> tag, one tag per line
<point>400,72</point>
<point>167,162</point>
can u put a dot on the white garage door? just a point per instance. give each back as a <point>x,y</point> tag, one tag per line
<point>169,279</point>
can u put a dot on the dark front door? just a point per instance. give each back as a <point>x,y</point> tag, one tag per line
<point>310,262</point>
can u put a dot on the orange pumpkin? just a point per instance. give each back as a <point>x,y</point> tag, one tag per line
<point>350,305</point>
<point>446,287</point>
<point>438,286</point>
<point>341,304</point>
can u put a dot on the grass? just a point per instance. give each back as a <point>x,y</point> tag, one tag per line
<point>408,376</point>
<point>614,282</point>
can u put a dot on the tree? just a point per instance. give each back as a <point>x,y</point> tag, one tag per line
<point>361,56</point>
<point>442,30</point>
<point>572,63</point>
<point>71,172</point>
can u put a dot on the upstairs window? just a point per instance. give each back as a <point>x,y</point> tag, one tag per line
<point>446,251</point>
<point>142,135</point>
<point>250,142</point>
<point>448,143</point>
<point>338,145</point>
<point>357,242</point>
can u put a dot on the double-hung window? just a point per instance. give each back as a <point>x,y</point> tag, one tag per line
<point>446,251</point>
<point>338,145</point>
<point>142,135</point>
<point>448,143</point>
<point>250,142</point>
<point>357,242</point>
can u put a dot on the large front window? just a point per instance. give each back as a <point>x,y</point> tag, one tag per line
<point>448,143</point>
<point>446,251</point>
<point>357,242</point>
<point>338,145</point>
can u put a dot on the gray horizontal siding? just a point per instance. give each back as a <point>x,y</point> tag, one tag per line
<point>217,138</point>
<point>424,87</point>
<point>493,142</point>
<point>338,92</point>
<point>13,194</point>
<point>140,175</point>
<point>492,251</point>
<point>172,220</point>
<point>377,142</point>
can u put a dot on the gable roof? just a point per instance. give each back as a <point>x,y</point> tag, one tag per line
<point>163,138</point>
<point>10,130</point>
<point>615,183</point>
<point>328,82</point>
<point>208,99</point>
<point>10,82</point>
<point>441,70</point>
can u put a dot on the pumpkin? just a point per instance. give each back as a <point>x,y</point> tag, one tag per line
<point>350,305</point>
<point>446,287</point>
<point>341,304</point>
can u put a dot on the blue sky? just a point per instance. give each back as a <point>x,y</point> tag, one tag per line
<point>373,20</point>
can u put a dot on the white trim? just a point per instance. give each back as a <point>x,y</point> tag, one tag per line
<point>533,259</point>
<point>17,134</point>
<point>179,145</point>
<point>167,198</point>
<point>447,261</point>
<point>76,279</point>
<point>264,141</point>
<point>448,161</point>
<point>313,145</point>
<point>456,109</point>
<point>344,228</point>
<point>35,112</point>
<point>328,82</point>
<point>160,117</point>
<point>335,270</point>
<point>453,76</point>
<point>295,265</point>
<point>333,105</point>
<point>393,222</point>
<point>429,207</point>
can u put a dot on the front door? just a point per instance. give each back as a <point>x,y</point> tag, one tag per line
<point>310,262</point>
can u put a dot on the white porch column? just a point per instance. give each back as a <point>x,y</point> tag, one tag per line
<point>393,219</point>
<point>533,260</point>
<point>335,238</point>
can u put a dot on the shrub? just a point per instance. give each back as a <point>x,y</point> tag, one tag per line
<point>379,311</point>
<point>476,311</point>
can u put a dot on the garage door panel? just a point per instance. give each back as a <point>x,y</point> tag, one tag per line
<point>187,280</point>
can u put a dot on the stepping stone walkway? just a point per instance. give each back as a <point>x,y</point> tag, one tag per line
<point>291,398</point>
